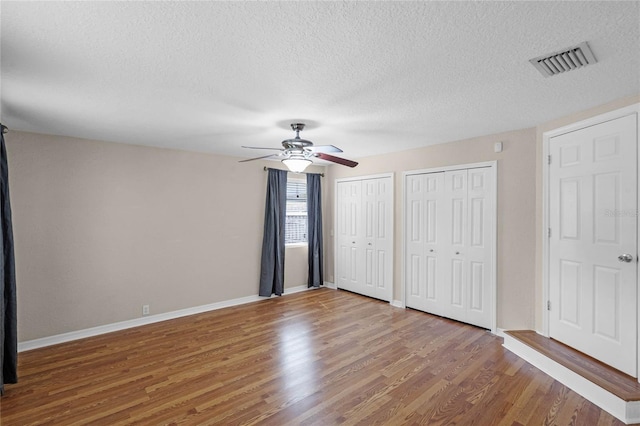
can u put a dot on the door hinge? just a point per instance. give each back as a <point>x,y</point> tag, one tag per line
<point>549,232</point>
<point>548,159</point>
<point>548,305</point>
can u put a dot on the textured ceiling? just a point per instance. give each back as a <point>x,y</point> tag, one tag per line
<point>369,77</point>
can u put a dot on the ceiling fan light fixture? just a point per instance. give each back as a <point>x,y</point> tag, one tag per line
<point>296,165</point>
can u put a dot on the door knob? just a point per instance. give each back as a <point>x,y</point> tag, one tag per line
<point>625,258</point>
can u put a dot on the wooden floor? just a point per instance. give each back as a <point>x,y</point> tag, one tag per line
<point>319,357</point>
<point>622,385</point>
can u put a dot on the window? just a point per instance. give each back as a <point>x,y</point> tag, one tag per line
<point>295,230</point>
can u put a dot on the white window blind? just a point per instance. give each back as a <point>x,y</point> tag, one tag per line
<point>296,216</point>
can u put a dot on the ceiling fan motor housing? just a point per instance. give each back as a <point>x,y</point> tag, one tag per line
<point>297,142</point>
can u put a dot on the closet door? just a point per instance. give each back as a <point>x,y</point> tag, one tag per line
<point>378,243</point>
<point>349,238</point>
<point>449,239</point>
<point>453,246</point>
<point>433,218</point>
<point>369,222</point>
<point>424,214</point>
<point>415,236</point>
<point>479,251</point>
<point>365,237</point>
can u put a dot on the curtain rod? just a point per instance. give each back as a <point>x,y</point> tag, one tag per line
<point>302,173</point>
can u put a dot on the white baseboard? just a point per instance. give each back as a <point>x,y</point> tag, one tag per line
<point>397,304</point>
<point>330,285</point>
<point>625,411</point>
<point>123,325</point>
<point>500,332</point>
<point>296,289</point>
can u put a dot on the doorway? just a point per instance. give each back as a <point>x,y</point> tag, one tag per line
<point>449,242</point>
<point>364,240</point>
<point>590,296</point>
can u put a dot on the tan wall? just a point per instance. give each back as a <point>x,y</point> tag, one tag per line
<point>103,228</point>
<point>541,129</point>
<point>516,211</point>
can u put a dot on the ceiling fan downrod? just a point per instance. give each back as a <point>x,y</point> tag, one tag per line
<point>297,127</point>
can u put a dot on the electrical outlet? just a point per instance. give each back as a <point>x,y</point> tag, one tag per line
<point>145,309</point>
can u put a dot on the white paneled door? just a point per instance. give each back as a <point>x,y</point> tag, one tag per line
<point>349,240</point>
<point>424,206</point>
<point>449,237</point>
<point>377,243</point>
<point>593,241</point>
<point>365,236</point>
<point>452,249</point>
<point>481,234</point>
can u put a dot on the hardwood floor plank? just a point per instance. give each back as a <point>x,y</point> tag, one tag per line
<point>319,357</point>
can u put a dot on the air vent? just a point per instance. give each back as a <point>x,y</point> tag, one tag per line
<point>564,60</point>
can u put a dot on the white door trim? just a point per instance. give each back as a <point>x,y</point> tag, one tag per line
<point>546,139</point>
<point>450,168</point>
<point>335,221</point>
<point>367,177</point>
<point>493,165</point>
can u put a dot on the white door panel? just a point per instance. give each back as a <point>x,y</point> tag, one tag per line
<point>383,239</point>
<point>369,218</point>
<point>593,216</point>
<point>478,251</point>
<point>414,240</point>
<point>348,239</point>
<point>342,237</point>
<point>424,201</point>
<point>433,295</point>
<point>369,203</point>
<point>452,248</point>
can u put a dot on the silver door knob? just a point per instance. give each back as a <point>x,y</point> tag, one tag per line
<point>625,258</point>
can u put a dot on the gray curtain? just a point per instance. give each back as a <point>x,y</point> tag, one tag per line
<point>8,316</point>
<point>272,265</point>
<point>314,232</point>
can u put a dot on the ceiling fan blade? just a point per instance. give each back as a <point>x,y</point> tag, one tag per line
<point>337,160</point>
<point>261,147</point>
<point>258,158</point>
<point>324,148</point>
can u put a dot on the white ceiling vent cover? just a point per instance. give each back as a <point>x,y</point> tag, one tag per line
<point>564,60</point>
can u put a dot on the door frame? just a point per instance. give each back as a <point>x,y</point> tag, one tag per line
<point>546,252</point>
<point>392,219</point>
<point>493,166</point>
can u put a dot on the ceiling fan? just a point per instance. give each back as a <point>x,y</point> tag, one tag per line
<point>297,152</point>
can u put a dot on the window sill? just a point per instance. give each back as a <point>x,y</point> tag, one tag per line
<point>293,245</point>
